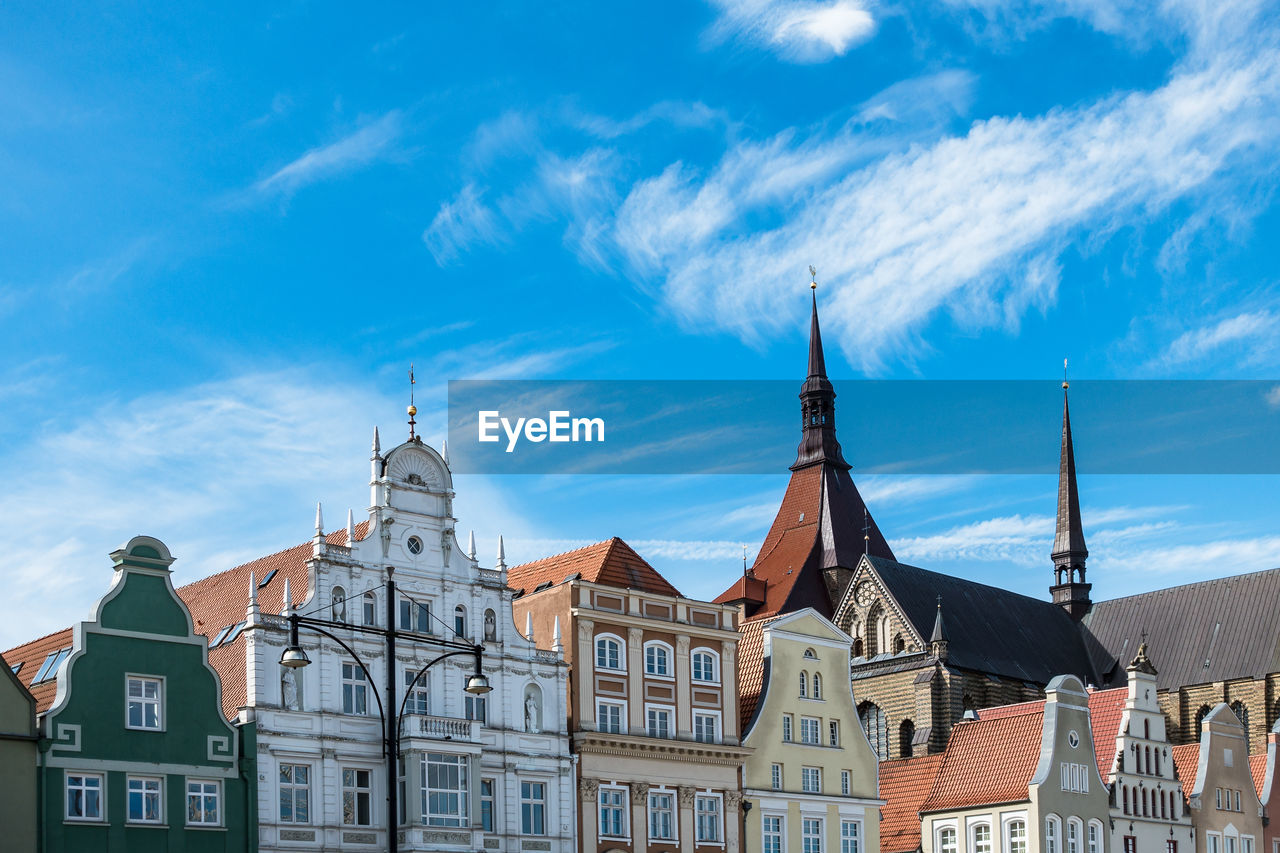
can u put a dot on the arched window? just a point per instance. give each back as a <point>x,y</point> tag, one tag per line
<point>370,608</point>
<point>706,666</point>
<point>859,650</point>
<point>1175,802</point>
<point>339,604</point>
<point>1146,802</point>
<point>810,655</point>
<point>657,659</point>
<point>947,840</point>
<point>1124,791</point>
<point>876,727</point>
<point>1073,835</point>
<point>1146,759</point>
<point>981,838</point>
<point>1243,714</point>
<point>1157,764</point>
<point>1095,837</point>
<point>1200,715</point>
<point>817,685</point>
<point>873,630</point>
<point>609,652</point>
<point>1052,833</point>
<point>900,646</point>
<point>804,684</point>
<point>460,621</point>
<point>906,735</point>
<point>1016,835</point>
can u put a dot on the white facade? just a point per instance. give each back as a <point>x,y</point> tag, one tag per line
<point>502,783</point>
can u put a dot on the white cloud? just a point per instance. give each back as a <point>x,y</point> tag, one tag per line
<point>798,30</point>
<point>1250,336</point>
<point>461,224</point>
<point>898,488</point>
<point>1195,561</point>
<point>375,141</point>
<point>1273,396</point>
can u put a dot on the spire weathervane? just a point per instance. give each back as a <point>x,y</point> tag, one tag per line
<point>813,277</point>
<point>1065,384</point>
<point>413,410</point>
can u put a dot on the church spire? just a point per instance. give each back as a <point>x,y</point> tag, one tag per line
<point>1069,552</point>
<point>817,404</point>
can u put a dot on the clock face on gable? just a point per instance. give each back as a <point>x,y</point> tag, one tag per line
<point>864,594</point>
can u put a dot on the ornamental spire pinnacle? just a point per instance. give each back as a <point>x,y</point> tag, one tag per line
<point>817,401</point>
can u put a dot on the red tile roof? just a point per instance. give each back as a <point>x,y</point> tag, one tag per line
<point>987,761</point>
<point>215,602</point>
<point>1186,761</point>
<point>1106,708</point>
<point>905,785</point>
<point>1258,767</point>
<point>612,563</point>
<point>750,667</point>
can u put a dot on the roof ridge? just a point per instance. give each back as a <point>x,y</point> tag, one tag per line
<point>1205,582</point>
<point>999,589</point>
<point>563,553</point>
<point>47,636</point>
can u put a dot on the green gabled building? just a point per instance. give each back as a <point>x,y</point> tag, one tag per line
<point>135,752</point>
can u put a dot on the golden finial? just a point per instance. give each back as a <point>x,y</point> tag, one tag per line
<point>1065,385</point>
<point>413,410</point>
<point>813,277</point>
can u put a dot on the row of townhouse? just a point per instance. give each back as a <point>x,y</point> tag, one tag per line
<point>576,703</point>
<point>1085,771</point>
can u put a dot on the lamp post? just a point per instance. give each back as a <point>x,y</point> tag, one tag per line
<point>294,657</point>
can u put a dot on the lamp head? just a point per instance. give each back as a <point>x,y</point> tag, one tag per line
<point>478,684</point>
<point>294,657</point>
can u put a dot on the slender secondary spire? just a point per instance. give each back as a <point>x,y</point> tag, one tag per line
<point>471,545</point>
<point>939,634</point>
<point>1069,550</point>
<point>413,410</point>
<point>817,403</point>
<point>351,528</point>
<point>319,520</point>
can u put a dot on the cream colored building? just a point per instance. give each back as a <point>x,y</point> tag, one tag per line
<point>811,779</point>
<point>1215,774</point>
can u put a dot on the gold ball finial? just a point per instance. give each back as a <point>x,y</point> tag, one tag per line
<point>1065,385</point>
<point>413,410</point>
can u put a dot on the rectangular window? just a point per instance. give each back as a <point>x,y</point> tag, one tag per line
<point>833,732</point>
<point>144,703</point>
<point>705,728</point>
<point>1246,844</point>
<point>786,728</point>
<point>851,836</point>
<point>846,779</point>
<point>355,689</point>
<point>415,617</point>
<point>486,805</point>
<point>143,800</point>
<point>775,777</point>
<point>811,780</point>
<point>295,793</point>
<point>662,822</point>
<point>809,730</point>
<point>357,797</point>
<point>1230,843</point>
<point>84,796</point>
<point>1213,843</point>
<point>811,834</point>
<point>475,708</point>
<point>417,699</point>
<point>203,806</point>
<point>445,793</point>
<point>609,716</point>
<point>1238,801</point>
<point>613,810</point>
<point>533,808</point>
<point>658,722</point>
<point>707,818</point>
<point>771,831</point>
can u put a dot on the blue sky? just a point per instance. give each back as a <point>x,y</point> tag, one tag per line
<point>225,234</point>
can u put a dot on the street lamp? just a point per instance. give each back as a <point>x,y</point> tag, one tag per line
<point>295,657</point>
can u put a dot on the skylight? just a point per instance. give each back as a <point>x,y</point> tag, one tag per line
<point>49,668</point>
<point>268,578</point>
<point>16,667</point>
<point>220,636</point>
<point>235,632</point>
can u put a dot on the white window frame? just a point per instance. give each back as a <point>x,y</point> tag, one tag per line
<point>1213,842</point>
<point>816,692</point>
<point>942,847</point>
<point>537,807</point>
<point>817,731</point>
<point>294,788</point>
<point>806,836</point>
<point>146,794</point>
<point>673,815</point>
<point>780,835</point>
<point>715,665</point>
<point>492,799</point>
<point>1093,836</point>
<point>698,824</point>
<point>671,717</point>
<point>207,788</point>
<point>806,774</point>
<point>621,706</point>
<point>356,679</point>
<point>833,733</point>
<point>668,656</point>
<point>420,701</point>
<point>1052,834</point>
<point>618,796</point>
<point>355,790</point>
<point>716,718</point>
<point>775,777</point>
<point>1075,835</point>
<point>369,608</point>
<point>788,728</point>
<point>622,653</point>
<point>804,684</point>
<point>846,782</point>
<point>142,701</point>
<point>1010,840</point>
<point>84,788</point>
<point>850,842</point>
<point>973,837</point>
<point>449,762</point>
<point>460,610</point>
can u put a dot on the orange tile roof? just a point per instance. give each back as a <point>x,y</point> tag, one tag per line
<point>750,667</point>
<point>1258,767</point>
<point>611,562</point>
<point>1106,708</point>
<point>905,785</point>
<point>215,602</point>
<point>1186,761</point>
<point>987,761</point>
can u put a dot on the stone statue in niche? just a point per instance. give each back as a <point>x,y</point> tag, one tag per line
<point>532,712</point>
<point>384,530</point>
<point>490,627</point>
<point>289,690</point>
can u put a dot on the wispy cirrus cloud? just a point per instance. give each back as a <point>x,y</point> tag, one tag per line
<point>1247,338</point>
<point>464,222</point>
<point>374,141</point>
<point>797,30</point>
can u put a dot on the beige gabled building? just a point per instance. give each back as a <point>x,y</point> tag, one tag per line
<point>1226,812</point>
<point>653,700</point>
<point>811,779</point>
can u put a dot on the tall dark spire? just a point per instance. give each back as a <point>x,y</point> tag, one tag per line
<point>1069,552</point>
<point>818,406</point>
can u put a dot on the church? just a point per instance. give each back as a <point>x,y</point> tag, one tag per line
<point>929,647</point>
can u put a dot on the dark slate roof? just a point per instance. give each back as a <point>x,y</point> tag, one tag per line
<point>990,630</point>
<point>1201,632</point>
